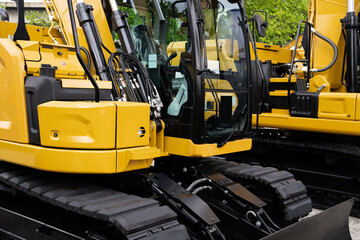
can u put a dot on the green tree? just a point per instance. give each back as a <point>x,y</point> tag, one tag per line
<point>283,17</point>
<point>148,17</point>
<point>38,19</point>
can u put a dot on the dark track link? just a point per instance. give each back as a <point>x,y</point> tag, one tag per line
<point>326,145</point>
<point>134,216</point>
<point>291,193</point>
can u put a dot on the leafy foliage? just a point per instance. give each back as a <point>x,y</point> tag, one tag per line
<point>175,31</point>
<point>148,16</point>
<point>38,19</point>
<point>283,17</point>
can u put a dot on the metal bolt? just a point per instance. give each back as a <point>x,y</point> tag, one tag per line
<point>55,134</point>
<point>258,224</point>
<point>212,220</point>
<point>185,170</point>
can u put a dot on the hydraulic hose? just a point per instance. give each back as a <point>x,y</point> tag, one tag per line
<point>196,182</point>
<point>87,56</point>
<point>199,189</point>
<point>334,49</point>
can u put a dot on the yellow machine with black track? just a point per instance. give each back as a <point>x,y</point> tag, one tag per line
<point>307,94</point>
<point>103,138</point>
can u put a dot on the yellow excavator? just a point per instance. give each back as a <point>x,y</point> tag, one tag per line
<point>105,134</point>
<point>307,94</point>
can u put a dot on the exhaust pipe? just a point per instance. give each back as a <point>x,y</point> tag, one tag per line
<point>332,224</point>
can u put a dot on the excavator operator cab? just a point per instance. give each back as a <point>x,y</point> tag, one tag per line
<point>197,56</point>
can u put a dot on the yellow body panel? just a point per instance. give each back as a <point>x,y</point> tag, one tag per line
<point>338,111</point>
<point>36,33</point>
<point>319,82</point>
<point>272,52</point>
<point>326,18</point>
<point>61,56</point>
<point>185,147</point>
<point>136,158</point>
<point>78,161</point>
<point>87,137</point>
<point>42,50</point>
<point>157,138</point>
<point>337,106</point>
<point>72,83</point>
<point>177,47</point>
<point>101,22</point>
<point>7,29</point>
<point>133,123</point>
<point>226,62</point>
<point>142,157</point>
<point>282,80</point>
<point>357,111</point>
<point>59,160</point>
<point>80,125</point>
<point>280,93</point>
<point>284,121</point>
<point>13,120</point>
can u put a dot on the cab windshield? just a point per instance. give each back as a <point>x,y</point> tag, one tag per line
<point>226,81</point>
<point>164,43</point>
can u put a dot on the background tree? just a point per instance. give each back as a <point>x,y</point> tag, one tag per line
<point>283,17</point>
<point>38,19</point>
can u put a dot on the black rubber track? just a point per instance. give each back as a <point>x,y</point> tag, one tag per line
<point>134,216</point>
<point>291,194</point>
<point>325,190</point>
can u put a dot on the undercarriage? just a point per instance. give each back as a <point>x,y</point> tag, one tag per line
<point>326,164</point>
<point>203,199</point>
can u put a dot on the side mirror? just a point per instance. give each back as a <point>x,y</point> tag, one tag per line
<point>178,7</point>
<point>261,25</point>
